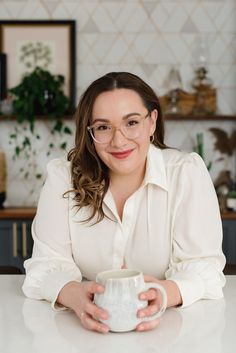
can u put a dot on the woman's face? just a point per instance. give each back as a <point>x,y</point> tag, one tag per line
<point>122,155</point>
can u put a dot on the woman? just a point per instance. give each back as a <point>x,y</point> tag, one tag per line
<point>123,199</point>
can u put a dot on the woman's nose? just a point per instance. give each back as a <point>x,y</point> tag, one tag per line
<point>118,138</point>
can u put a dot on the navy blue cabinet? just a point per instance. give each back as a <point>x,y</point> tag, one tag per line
<point>229,240</point>
<point>15,242</point>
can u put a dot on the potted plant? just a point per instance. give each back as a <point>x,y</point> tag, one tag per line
<point>39,94</point>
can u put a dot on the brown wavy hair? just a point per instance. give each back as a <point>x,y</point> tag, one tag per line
<point>90,176</point>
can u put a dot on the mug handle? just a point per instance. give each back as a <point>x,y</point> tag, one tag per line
<point>157,286</point>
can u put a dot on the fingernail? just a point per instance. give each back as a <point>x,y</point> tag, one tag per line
<point>105,329</point>
<point>140,328</point>
<point>104,316</point>
<point>141,314</point>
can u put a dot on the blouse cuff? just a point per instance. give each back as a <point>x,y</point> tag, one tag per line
<point>190,285</point>
<point>52,285</point>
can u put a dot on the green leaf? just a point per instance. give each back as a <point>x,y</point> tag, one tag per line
<point>17,151</point>
<point>63,145</point>
<point>67,130</point>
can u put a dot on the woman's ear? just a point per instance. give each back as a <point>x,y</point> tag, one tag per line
<point>153,120</point>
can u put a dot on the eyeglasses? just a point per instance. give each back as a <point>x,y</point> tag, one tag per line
<point>130,128</point>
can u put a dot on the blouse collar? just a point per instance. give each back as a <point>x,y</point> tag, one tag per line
<point>155,168</point>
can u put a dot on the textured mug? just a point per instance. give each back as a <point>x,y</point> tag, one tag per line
<point>120,298</point>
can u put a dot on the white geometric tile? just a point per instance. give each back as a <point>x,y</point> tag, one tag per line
<point>201,20</point>
<point>149,6</point>
<point>33,10</point>
<point>189,6</point>
<point>189,26</point>
<point>50,6</point>
<point>178,47</point>
<point>90,6</point>
<point>142,43</point>
<point>159,16</point>
<point>170,6</point>
<point>137,19</point>
<point>13,8</point>
<point>4,11</point>
<point>116,52</point>
<point>90,26</point>
<point>103,21</point>
<point>217,74</point>
<point>148,69</point>
<point>217,49</point>
<point>175,19</point>
<point>82,15</point>
<point>71,6</point>
<point>148,26</point>
<point>160,53</point>
<point>130,56</point>
<point>213,9</point>
<point>113,8</point>
<point>129,38</point>
<point>83,47</point>
<point>230,79</point>
<point>103,45</point>
<point>226,100</point>
<point>223,15</point>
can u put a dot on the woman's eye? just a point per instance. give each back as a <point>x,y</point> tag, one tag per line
<point>132,123</point>
<point>101,127</point>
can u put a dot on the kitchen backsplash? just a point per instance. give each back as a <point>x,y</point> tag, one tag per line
<point>146,38</point>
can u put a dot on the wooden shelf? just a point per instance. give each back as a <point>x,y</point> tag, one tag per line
<point>17,213</point>
<point>177,117</point>
<point>29,213</point>
<point>41,117</point>
<point>228,215</point>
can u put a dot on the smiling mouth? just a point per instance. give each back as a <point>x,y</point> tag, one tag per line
<point>121,155</point>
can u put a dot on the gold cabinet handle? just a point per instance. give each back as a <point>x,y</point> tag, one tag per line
<point>14,239</point>
<point>24,240</point>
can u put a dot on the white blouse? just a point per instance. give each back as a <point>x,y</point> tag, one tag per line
<point>171,229</point>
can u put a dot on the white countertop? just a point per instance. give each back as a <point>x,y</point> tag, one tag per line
<point>26,325</point>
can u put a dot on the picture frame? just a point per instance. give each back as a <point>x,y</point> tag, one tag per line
<point>45,43</point>
<point>3,83</point>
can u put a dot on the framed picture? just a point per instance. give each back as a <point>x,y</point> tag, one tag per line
<point>3,84</point>
<point>47,44</point>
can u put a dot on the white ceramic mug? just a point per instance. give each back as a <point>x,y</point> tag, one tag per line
<point>120,298</point>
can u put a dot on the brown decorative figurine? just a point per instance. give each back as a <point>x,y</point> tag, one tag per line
<point>204,93</point>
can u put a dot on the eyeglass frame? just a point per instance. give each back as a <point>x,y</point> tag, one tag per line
<point>90,128</point>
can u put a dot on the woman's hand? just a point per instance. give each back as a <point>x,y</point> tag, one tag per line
<point>154,299</point>
<point>78,296</point>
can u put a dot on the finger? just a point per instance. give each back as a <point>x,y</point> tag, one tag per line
<point>150,294</point>
<point>148,278</point>
<point>148,325</point>
<point>93,325</point>
<point>150,310</point>
<point>94,287</point>
<point>96,312</point>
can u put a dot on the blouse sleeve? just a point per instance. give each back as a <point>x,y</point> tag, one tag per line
<point>197,259</point>
<point>52,264</point>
